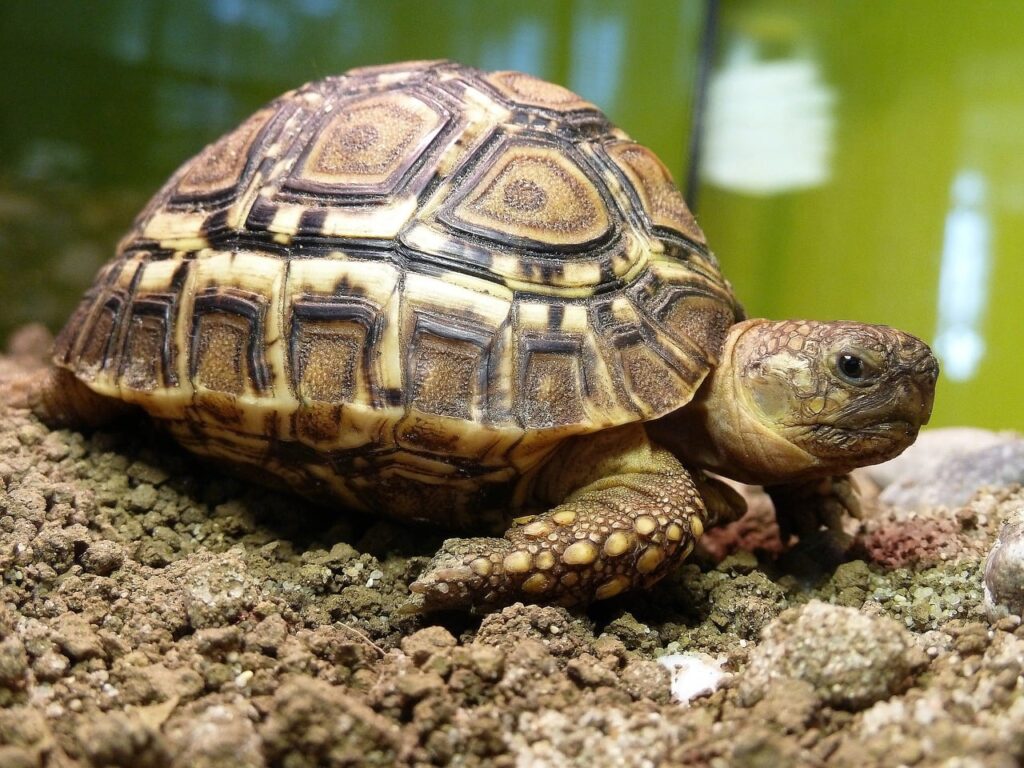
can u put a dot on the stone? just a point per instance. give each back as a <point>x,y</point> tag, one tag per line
<point>851,659</point>
<point>1004,571</point>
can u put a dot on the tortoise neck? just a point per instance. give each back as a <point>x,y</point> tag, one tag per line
<point>720,431</point>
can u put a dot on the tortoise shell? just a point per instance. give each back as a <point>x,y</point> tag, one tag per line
<point>419,273</point>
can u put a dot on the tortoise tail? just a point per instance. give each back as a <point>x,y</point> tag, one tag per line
<point>59,399</point>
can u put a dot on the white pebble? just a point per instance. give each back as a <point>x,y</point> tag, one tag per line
<point>693,675</point>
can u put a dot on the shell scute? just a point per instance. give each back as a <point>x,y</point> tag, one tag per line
<point>659,196</point>
<point>532,193</point>
<point>367,145</point>
<point>220,168</point>
<point>532,91</point>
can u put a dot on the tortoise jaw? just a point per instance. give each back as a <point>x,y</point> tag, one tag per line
<point>869,444</point>
<point>873,428</point>
<point>904,398</point>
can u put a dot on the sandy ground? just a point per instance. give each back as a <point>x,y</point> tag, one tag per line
<point>155,612</point>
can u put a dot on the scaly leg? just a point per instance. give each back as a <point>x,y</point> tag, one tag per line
<point>805,508</point>
<point>60,400</point>
<point>627,512</point>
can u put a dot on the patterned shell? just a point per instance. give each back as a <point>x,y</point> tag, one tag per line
<point>421,268</point>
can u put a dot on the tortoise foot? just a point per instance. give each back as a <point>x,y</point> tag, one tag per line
<point>601,543</point>
<point>460,576</point>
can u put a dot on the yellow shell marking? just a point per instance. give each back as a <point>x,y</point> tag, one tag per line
<point>368,141</point>
<point>536,193</point>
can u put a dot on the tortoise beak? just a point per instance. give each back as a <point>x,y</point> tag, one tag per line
<point>918,376</point>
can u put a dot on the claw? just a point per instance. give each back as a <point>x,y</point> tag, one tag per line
<point>448,582</point>
<point>441,580</point>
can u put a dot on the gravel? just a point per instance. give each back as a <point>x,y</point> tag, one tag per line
<point>154,611</point>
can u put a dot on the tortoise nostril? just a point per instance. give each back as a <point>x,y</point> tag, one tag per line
<point>926,368</point>
<point>922,364</point>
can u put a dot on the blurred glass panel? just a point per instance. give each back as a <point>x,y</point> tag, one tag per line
<point>111,96</point>
<point>916,218</point>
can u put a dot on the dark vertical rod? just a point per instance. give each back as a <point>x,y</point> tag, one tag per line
<point>700,97</point>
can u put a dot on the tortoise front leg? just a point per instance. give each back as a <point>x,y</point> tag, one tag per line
<point>627,512</point>
<point>814,507</point>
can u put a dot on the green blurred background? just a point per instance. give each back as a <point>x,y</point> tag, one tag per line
<point>858,159</point>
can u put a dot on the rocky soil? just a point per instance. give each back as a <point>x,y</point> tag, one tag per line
<point>156,612</point>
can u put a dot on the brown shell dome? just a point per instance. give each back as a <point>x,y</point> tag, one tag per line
<point>422,266</point>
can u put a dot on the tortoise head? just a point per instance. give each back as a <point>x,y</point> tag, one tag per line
<point>797,399</point>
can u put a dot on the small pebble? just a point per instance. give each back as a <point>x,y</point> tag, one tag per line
<point>102,557</point>
<point>1004,571</point>
<point>693,675</point>
<point>51,666</point>
<point>143,498</point>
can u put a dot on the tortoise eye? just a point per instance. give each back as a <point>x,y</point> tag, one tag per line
<point>852,368</point>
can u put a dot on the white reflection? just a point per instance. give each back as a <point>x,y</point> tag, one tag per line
<point>769,124</point>
<point>228,11</point>
<point>963,278</point>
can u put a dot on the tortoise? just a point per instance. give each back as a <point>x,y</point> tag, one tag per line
<point>465,298</point>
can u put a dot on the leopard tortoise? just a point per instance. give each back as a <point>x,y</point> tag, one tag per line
<point>451,296</point>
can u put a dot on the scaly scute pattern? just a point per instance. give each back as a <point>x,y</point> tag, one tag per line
<point>421,274</point>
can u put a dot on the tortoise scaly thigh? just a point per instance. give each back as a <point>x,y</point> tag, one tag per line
<point>630,512</point>
<point>61,400</point>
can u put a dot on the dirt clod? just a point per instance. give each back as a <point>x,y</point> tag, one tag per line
<point>851,659</point>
